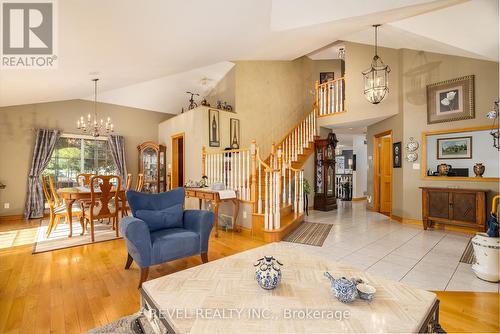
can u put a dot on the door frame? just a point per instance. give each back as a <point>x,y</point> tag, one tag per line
<point>376,167</point>
<point>174,160</point>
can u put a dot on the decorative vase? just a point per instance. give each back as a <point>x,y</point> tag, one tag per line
<point>479,169</point>
<point>268,272</point>
<point>487,255</point>
<point>444,169</point>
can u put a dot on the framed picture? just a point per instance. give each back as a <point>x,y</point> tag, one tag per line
<point>454,148</point>
<point>213,128</point>
<point>450,100</point>
<point>234,126</point>
<point>325,76</point>
<point>396,155</point>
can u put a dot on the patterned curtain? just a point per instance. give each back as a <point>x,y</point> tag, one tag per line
<point>117,146</point>
<point>45,142</point>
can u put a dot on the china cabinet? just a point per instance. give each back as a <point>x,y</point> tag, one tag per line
<point>152,160</point>
<point>324,167</point>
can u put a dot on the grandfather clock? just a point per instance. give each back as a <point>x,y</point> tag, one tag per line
<point>324,166</point>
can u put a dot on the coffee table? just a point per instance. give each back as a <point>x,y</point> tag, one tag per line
<point>222,296</point>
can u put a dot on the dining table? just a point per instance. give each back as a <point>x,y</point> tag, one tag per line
<point>72,194</point>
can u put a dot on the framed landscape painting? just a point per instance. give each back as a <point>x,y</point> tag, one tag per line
<point>326,76</point>
<point>454,148</point>
<point>450,100</point>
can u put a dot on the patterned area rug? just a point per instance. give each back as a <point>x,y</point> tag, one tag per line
<point>313,234</point>
<point>468,254</point>
<point>58,238</point>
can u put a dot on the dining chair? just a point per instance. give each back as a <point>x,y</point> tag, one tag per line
<point>56,211</point>
<point>83,179</point>
<point>104,197</point>
<point>128,185</point>
<point>140,182</point>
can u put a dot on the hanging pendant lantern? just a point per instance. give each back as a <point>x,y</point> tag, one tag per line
<point>376,78</point>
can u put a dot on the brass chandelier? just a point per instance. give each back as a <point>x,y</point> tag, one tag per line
<point>91,125</point>
<point>376,77</point>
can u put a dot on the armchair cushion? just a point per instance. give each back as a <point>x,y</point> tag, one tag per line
<point>173,243</point>
<point>162,219</point>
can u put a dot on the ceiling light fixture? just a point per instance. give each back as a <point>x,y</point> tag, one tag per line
<point>91,125</point>
<point>376,78</point>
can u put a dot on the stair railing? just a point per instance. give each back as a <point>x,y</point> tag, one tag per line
<point>330,97</point>
<point>233,168</point>
<point>294,143</point>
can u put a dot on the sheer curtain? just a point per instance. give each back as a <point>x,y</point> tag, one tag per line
<point>45,142</point>
<point>117,146</point>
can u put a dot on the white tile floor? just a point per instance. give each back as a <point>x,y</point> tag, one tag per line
<point>372,242</point>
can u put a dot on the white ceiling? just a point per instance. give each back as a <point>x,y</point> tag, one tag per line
<point>149,53</point>
<point>469,29</point>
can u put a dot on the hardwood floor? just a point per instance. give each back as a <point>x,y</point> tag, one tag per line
<point>76,289</point>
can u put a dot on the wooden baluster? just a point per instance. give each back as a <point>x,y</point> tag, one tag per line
<point>259,190</point>
<point>316,86</point>
<point>203,161</point>
<point>342,95</point>
<point>240,174</point>
<point>224,172</point>
<point>266,201</point>
<point>271,203</point>
<point>209,173</point>
<point>290,185</point>
<point>221,168</point>
<point>277,213</point>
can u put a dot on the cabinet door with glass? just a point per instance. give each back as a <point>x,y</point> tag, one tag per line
<point>152,165</point>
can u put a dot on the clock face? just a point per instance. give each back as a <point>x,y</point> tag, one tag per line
<point>329,152</point>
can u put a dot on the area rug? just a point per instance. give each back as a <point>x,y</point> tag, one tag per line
<point>135,323</point>
<point>468,254</point>
<point>313,234</point>
<point>58,239</point>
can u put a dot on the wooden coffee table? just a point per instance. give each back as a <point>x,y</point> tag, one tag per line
<point>222,296</point>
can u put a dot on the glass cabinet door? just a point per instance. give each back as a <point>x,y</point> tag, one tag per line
<point>162,171</point>
<point>150,165</point>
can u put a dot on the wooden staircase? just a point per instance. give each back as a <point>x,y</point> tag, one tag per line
<point>274,186</point>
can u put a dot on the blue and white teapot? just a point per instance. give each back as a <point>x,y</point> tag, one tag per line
<point>268,272</point>
<point>344,289</point>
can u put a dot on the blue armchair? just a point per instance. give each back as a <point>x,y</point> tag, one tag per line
<point>160,230</point>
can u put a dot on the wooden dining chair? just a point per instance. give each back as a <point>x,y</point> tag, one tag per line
<point>83,179</point>
<point>103,203</point>
<point>124,204</point>
<point>56,211</point>
<point>140,182</point>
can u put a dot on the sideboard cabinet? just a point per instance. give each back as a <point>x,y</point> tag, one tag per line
<point>454,206</point>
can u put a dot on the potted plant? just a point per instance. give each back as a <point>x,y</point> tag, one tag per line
<point>307,191</point>
<point>487,248</point>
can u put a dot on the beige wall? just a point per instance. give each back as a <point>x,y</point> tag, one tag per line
<point>224,90</point>
<point>272,96</point>
<point>17,126</point>
<point>418,70</point>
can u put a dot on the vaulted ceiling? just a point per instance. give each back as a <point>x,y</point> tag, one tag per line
<point>148,53</point>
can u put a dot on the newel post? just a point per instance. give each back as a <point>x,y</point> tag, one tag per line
<point>203,160</point>
<point>316,85</point>
<point>253,171</point>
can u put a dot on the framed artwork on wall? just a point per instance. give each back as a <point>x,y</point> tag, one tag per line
<point>326,76</point>
<point>396,155</point>
<point>213,128</point>
<point>451,100</point>
<point>234,126</point>
<point>454,148</point>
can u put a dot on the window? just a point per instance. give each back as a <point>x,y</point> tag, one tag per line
<point>79,154</point>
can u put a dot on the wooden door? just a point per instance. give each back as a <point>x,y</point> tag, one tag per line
<point>385,174</point>
<point>177,161</point>
<point>463,207</point>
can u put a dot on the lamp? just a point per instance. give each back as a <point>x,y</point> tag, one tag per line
<point>376,77</point>
<point>91,125</point>
<point>495,129</point>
